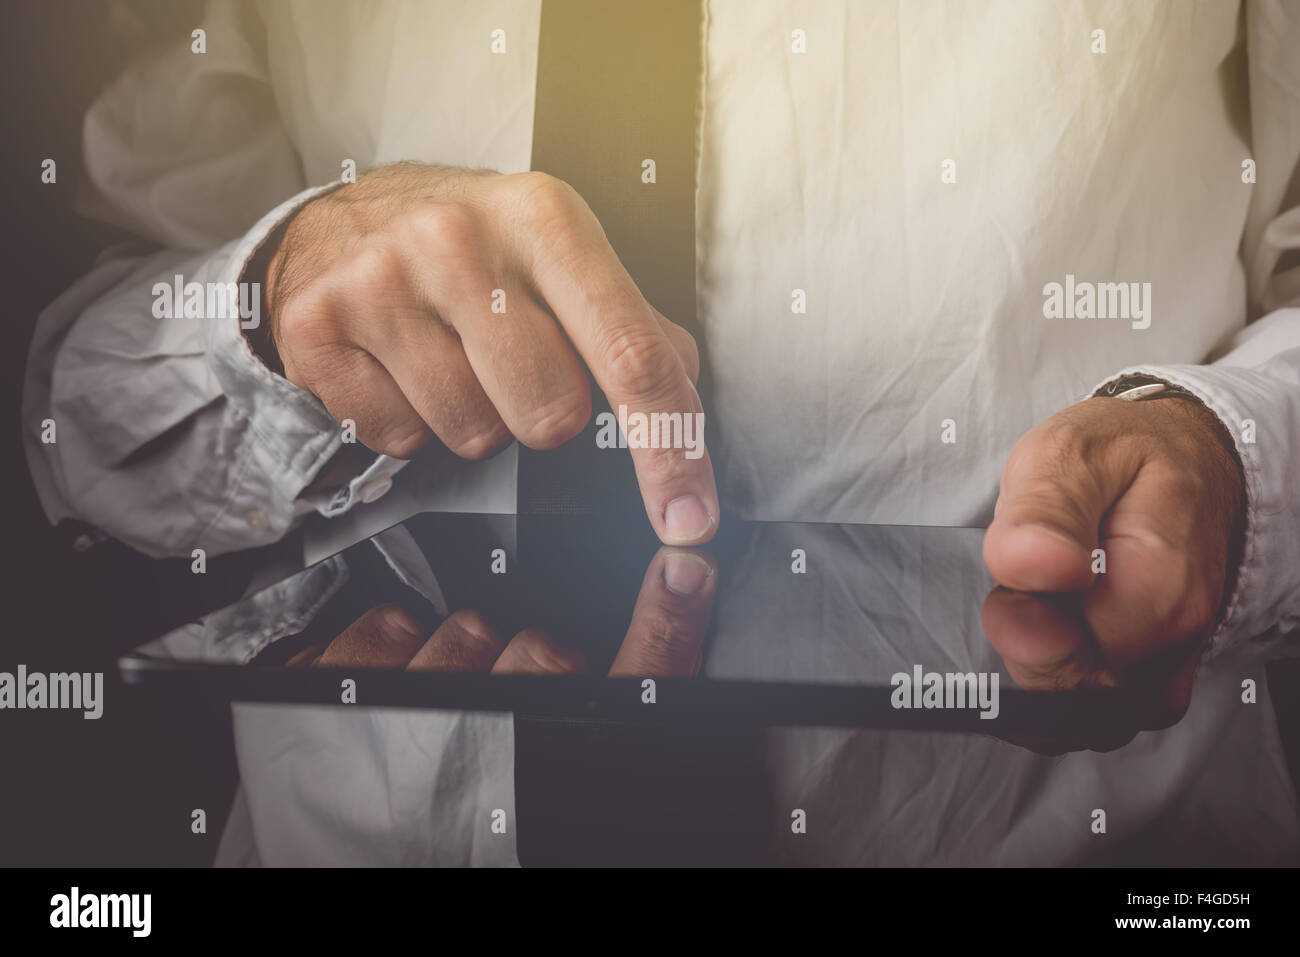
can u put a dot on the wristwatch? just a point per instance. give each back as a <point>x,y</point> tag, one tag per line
<point>1137,388</point>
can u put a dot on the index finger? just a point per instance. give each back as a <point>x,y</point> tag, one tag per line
<point>671,617</point>
<point>629,353</point>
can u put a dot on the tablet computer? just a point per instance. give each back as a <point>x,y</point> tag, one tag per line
<point>580,613</point>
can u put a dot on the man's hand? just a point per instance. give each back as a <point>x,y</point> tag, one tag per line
<point>381,301</point>
<point>1156,485</point>
<point>664,638</point>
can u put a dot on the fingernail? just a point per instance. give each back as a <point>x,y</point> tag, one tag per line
<point>685,573</point>
<point>686,519</point>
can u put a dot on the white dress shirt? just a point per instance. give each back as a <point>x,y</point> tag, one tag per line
<point>821,171</point>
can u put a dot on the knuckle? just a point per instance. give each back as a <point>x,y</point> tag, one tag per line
<point>545,655</point>
<point>365,287</point>
<point>642,363</point>
<point>662,470</point>
<point>1062,444</point>
<point>478,444</point>
<point>1062,436</point>
<point>549,213</point>
<point>444,226</point>
<point>375,262</point>
<point>668,634</point>
<point>387,623</point>
<point>542,196</point>
<point>308,323</point>
<point>556,422</point>
<point>474,632</point>
<point>399,441</point>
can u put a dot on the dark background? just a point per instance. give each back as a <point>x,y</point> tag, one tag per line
<point>119,790</point>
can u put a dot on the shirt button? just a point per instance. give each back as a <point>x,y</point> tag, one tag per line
<point>375,488</point>
<point>257,519</point>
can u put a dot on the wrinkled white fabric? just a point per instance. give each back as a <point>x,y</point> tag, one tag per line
<point>819,171</point>
<point>822,172</point>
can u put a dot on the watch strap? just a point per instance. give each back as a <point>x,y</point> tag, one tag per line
<point>1139,388</point>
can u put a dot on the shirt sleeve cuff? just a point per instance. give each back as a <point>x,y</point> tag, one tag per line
<point>296,436</point>
<point>1255,415</point>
